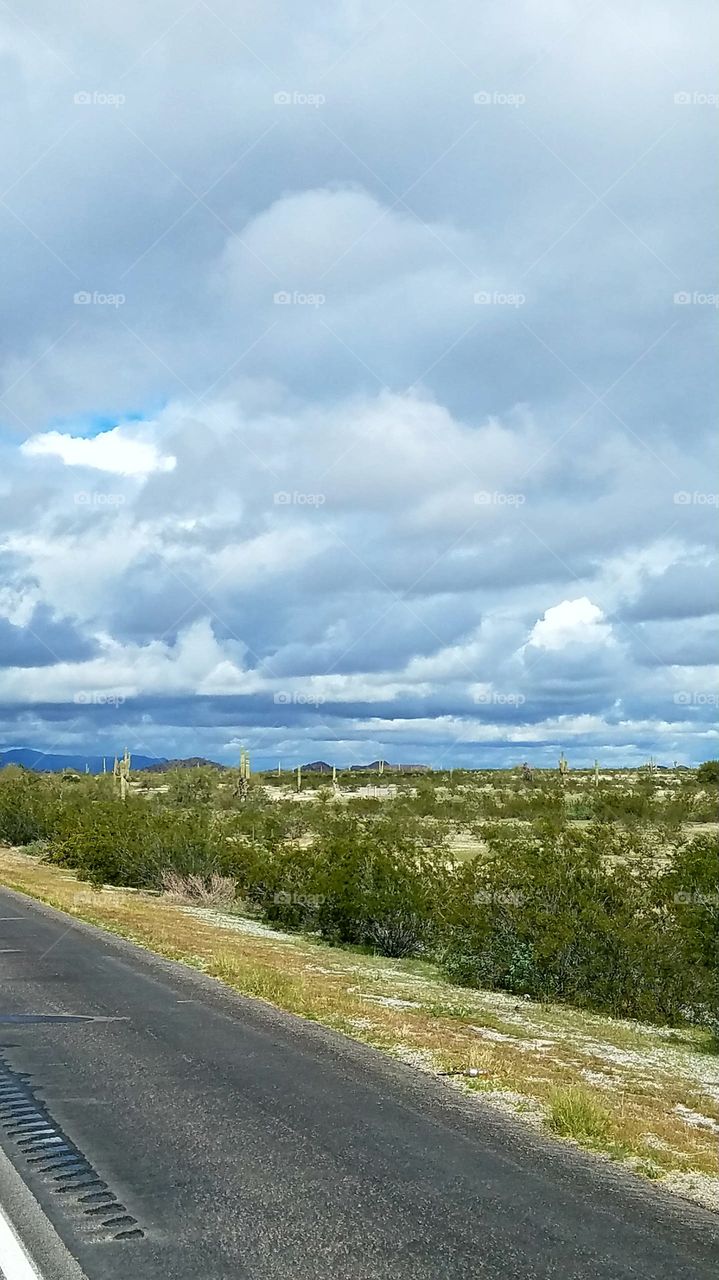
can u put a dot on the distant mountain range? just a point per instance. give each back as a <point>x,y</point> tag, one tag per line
<point>321,766</point>
<point>47,763</point>
<point>163,766</point>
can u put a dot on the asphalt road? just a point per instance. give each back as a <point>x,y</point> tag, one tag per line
<point>248,1143</point>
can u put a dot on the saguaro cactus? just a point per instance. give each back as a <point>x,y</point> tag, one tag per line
<point>299,777</point>
<point>121,774</point>
<point>243,781</point>
<point>563,767</point>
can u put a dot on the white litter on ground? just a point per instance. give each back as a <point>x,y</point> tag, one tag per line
<point>695,1118</point>
<point>528,1046</point>
<point>241,924</point>
<point>390,1002</point>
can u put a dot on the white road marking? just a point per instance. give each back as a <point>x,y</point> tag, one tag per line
<point>14,1262</point>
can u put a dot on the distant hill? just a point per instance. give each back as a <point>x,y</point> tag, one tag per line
<point>321,766</point>
<point>194,762</point>
<point>46,763</point>
<point>390,768</point>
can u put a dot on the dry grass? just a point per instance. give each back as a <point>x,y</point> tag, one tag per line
<point>610,1085</point>
<point>205,891</point>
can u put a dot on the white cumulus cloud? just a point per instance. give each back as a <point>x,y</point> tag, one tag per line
<point>116,451</point>
<point>571,622</point>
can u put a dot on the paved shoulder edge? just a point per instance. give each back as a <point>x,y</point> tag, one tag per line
<point>47,1253</point>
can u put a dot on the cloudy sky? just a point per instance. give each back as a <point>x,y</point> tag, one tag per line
<point>357,380</point>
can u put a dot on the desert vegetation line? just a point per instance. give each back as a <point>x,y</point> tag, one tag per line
<point>605,897</point>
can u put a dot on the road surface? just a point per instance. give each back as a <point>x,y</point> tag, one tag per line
<point>220,1140</point>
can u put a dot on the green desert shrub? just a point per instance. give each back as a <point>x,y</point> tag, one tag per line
<point>111,842</point>
<point>708,773</point>
<point>25,806</point>
<point>686,898</point>
<point>543,915</point>
<point>190,787</point>
<point>375,883</point>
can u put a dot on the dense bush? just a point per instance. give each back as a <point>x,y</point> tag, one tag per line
<point>374,882</point>
<point>687,895</point>
<point>190,787</point>
<point>708,774</point>
<point>545,915</point>
<point>132,844</point>
<point>26,805</point>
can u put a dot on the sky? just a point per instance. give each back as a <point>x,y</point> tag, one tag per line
<point>358,396</point>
